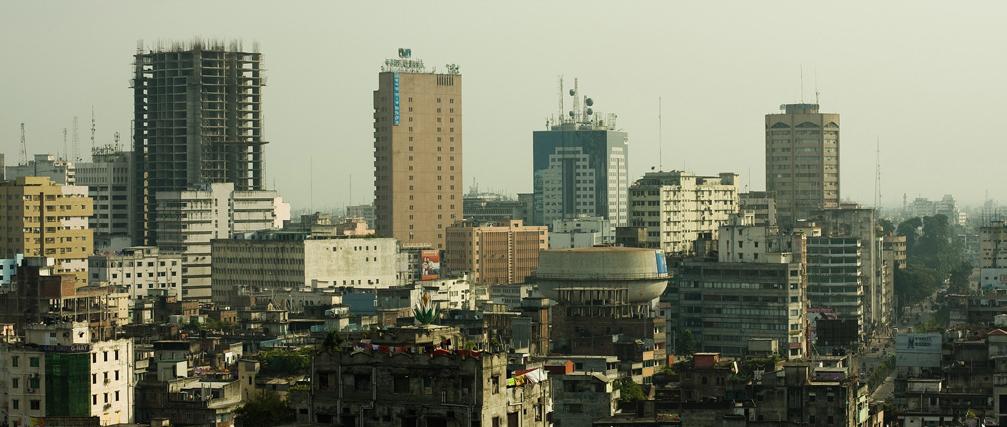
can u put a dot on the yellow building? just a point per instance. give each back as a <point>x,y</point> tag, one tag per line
<point>67,208</point>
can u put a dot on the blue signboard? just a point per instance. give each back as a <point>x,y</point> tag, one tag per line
<point>662,264</point>
<point>395,99</point>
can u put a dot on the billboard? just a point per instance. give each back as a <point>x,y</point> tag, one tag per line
<point>918,350</point>
<point>430,264</point>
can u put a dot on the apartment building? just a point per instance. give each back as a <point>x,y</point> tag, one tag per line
<point>140,270</point>
<point>836,277</point>
<point>677,207</point>
<point>110,178</point>
<point>582,232</point>
<point>67,239</point>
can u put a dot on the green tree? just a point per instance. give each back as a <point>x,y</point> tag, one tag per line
<point>284,362</point>
<point>264,410</point>
<point>629,390</point>
<point>685,342</point>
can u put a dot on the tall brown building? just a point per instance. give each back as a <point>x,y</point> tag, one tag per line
<point>495,254</point>
<point>802,161</point>
<point>67,237</point>
<point>417,151</point>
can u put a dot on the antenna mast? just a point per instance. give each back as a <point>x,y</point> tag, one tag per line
<point>877,174</point>
<point>24,147</point>
<point>66,154</point>
<point>802,83</point>
<point>92,130</point>
<point>660,137</point>
<point>560,117</point>
<point>76,140</point>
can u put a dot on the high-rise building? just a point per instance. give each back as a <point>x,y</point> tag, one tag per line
<point>60,171</point>
<point>676,207</point>
<point>66,209</point>
<point>581,167</point>
<point>836,279</point>
<point>417,151</point>
<point>197,120</point>
<point>187,221</point>
<point>802,161</point>
<point>109,178</point>
<point>495,254</point>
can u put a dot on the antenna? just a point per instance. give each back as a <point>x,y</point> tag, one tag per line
<point>351,190</point>
<point>802,83</point>
<point>115,137</point>
<point>92,129</point>
<point>561,98</point>
<point>877,174</point>
<point>76,140</point>
<point>311,184</point>
<point>660,137</point>
<point>816,86</point>
<point>66,153</point>
<point>24,147</point>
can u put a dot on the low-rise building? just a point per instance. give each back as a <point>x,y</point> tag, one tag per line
<point>417,376</point>
<point>61,370</point>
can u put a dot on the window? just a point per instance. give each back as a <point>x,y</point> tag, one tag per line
<point>400,384</point>
<point>35,405</point>
<point>94,378</point>
<point>14,382</point>
<point>13,361</point>
<point>33,362</point>
<point>14,404</point>
<point>495,384</point>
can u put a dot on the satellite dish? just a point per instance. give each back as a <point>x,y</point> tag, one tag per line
<point>572,92</point>
<point>590,112</point>
<point>571,114</point>
<point>589,102</point>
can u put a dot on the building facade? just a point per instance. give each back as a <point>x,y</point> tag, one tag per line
<point>802,161</point>
<point>141,270</point>
<point>582,232</point>
<point>491,208</point>
<point>187,221</point>
<point>580,168</point>
<point>836,277</point>
<point>268,261</point>
<point>67,238</point>
<point>362,211</point>
<point>677,207</point>
<point>109,178</point>
<point>417,151</point>
<point>197,120</point>
<point>495,254</point>
<point>60,171</point>
<point>62,371</point>
<point>761,204</point>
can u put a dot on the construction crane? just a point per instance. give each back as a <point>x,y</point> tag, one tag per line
<point>24,147</point>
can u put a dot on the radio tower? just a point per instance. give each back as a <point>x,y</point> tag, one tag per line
<point>92,130</point>
<point>76,141</point>
<point>24,147</point>
<point>877,174</point>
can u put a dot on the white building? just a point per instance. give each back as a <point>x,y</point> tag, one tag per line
<point>582,232</point>
<point>450,294</point>
<point>676,207</point>
<point>60,371</point>
<point>62,172</point>
<point>109,180</point>
<point>140,270</point>
<point>187,221</point>
<point>264,261</point>
<point>8,268</point>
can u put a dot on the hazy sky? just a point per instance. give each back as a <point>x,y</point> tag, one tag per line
<point>927,78</point>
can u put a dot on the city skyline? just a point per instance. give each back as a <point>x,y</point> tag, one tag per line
<point>864,69</point>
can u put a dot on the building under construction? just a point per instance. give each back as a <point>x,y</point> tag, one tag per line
<point>198,119</point>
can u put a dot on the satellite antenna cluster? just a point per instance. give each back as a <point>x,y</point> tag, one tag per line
<point>582,114</point>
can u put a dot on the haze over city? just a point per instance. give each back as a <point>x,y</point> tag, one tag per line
<point>924,79</point>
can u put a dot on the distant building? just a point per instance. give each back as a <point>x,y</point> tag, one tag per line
<point>582,396</point>
<point>110,181</point>
<point>802,161</point>
<point>189,220</point>
<point>580,167</point>
<point>993,255</point>
<point>762,205</point>
<point>495,254</point>
<point>362,211</point>
<point>490,208</point>
<point>61,370</point>
<point>417,151</point>
<point>142,271</point>
<point>581,232</point>
<point>67,238</point>
<point>60,171</point>
<point>836,277</point>
<point>271,260</point>
<point>676,207</point>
